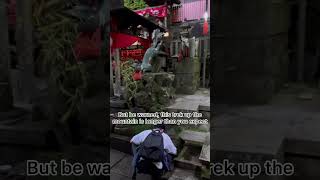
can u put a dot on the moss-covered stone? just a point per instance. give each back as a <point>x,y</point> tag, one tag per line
<point>155,91</point>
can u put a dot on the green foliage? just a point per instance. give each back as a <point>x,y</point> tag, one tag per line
<point>131,86</point>
<point>135,4</point>
<point>56,34</point>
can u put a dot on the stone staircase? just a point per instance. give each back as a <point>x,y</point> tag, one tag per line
<point>194,156</point>
<point>193,160</point>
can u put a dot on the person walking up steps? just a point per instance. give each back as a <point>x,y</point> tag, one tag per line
<point>153,151</point>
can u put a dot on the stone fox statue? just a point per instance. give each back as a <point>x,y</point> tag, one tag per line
<point>153,51</point>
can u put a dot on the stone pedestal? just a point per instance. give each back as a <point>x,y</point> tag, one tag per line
<point>187,73</point>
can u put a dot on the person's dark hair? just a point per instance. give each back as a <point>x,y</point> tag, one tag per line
<point>160,126</point>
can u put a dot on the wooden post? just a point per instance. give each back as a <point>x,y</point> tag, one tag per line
<point>117,74</point>
<point>5,88</point>
<point>204,63</point>
<point>301,38</point>
<point>111,77</point>
<point>166,18</point>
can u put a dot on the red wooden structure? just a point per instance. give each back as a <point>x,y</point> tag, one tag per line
<point>190,10</point>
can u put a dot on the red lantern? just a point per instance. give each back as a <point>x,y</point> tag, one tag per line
<point>137,75</point>
<point>205,28</point>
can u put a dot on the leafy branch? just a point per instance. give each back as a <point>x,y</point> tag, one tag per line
<point>135,4</point>
<point>56,33</point>
<point>131,85</point>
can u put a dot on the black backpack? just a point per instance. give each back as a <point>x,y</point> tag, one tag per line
<point>152,148</point>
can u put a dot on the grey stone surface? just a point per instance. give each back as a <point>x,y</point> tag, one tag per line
<point>181,174</point>
<point>116,156</point>
<point>4,169</point>
<point>305,96</point>
<point>194,137</point>
<point>248,140</point>
<point>187,73</point>
<point>204,127</point>
<point>191,103</point>
<point>205,153</point>
<point>287,124</point>
<point>121,168</point>
<point>305,166</point>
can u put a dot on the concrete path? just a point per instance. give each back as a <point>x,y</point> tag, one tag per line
<point>121,168</point>
<point>191,103</point>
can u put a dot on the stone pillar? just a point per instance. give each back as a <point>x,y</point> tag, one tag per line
<point>24,41</point>
<point>5,90</point>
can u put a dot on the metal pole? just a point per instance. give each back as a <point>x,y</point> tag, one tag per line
<point>301,38</point>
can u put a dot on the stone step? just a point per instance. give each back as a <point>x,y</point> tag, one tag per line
<point>189,159</point>
<point>25,106</point>
<point>204,107</point>
<point>13,116</point>
<point>182,174</point>
<point>22,135</point>
<point>194,138</point>
<point>303,138</point>
<point>205,173</point>
<point>117,103</point>
<point>121,143</point>
<point>16,113</point>
<point>205,154</point>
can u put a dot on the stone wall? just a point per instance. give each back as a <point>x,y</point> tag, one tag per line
<point>250,44</point>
